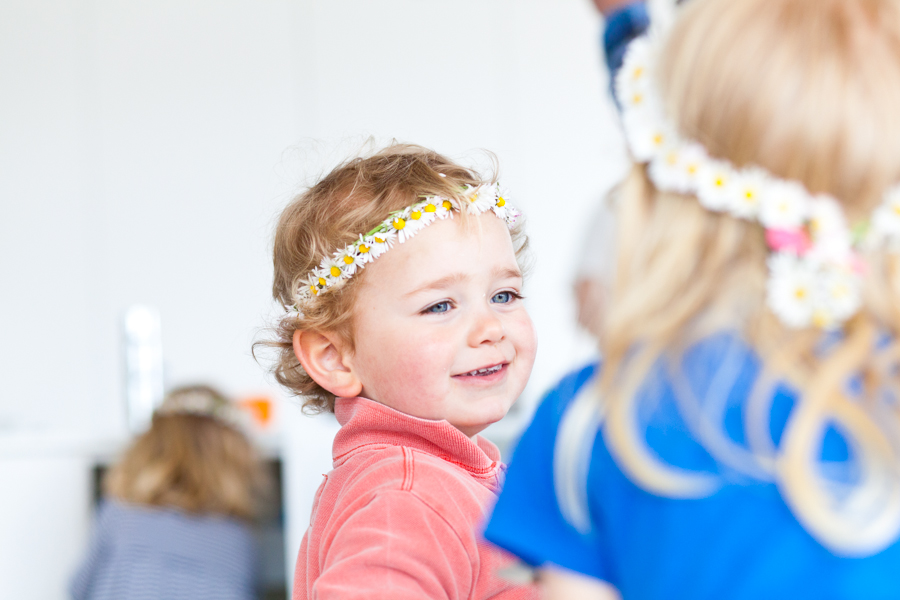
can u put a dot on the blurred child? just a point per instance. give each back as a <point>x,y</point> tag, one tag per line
<point>405,318</point>
<point>741,438</point>
<point>175,521</point>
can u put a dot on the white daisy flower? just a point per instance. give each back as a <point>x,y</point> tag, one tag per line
<point>714,184</point>
<point>791,290</point>
<point>692,157</point>
<point>351,259</point>
<point>398,223</point>
<point>836,248</point>
<point>501,204</point>
<point>333,269</point>
<point>840,293</point>
<point>444,208</point>
<point>825,216</point>
<point>886,218</point>
<point>647,134</point>
<point>424,217</point>
<point>363,251</point>
<point>512,216</point>
<point>431,205</point>
<point>481,199</point>
<point>305,291</point>
<point>634,77</point>
<point>380,242</point>
<point>292,312</point>
<point>747,191</point>
<point>784,206</point>
<point>318,282</point>
<point>667,171</point>
<point>832,241</point>
<point>410,226</point>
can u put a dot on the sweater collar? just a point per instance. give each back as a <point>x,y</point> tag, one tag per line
<point>366,423</point>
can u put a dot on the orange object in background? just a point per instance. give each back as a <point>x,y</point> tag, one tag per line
<point>259,407</point>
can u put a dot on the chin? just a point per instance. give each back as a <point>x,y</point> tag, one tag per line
<point>488,420</point>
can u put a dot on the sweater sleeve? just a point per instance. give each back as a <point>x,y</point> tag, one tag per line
<point>82,581</point>
<point>396,547</point>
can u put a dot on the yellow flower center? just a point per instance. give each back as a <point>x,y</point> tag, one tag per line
<point>314,289</point>
<point>720,181</point>
<point>415,215</point>
<point>348,260</point>
<point>897,209</point>
<point>637,99</point>
<point>658,139</point>
<point>800,293</point>
<point>692,169</point>
<point>501,202</point>
<point>820,319</point>
<point>473,198</point>
<point>335,272</point>
<point>637,73</point>
<point>399,223</point>
<point>363,248</point>
<point>379,240</point>
<point>447,204</point>
<point>430,208</point>
<point>322,282</point>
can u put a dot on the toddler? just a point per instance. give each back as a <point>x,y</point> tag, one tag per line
<point>176,518</point>
<point>401,278</point>
<point>741,438</point>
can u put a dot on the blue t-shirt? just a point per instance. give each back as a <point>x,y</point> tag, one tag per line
<point>740,542</point>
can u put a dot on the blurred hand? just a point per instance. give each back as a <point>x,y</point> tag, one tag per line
<point>560,584</point>
<point>608,6</point>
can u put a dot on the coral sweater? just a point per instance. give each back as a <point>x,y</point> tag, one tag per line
<point>400,515</point>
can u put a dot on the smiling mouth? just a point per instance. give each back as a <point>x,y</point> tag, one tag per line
<point>483,372</point>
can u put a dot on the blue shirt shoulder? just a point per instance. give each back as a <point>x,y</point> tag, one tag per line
<point>742,541</point>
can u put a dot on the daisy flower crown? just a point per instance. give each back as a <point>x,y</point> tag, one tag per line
<point>815,271</point>
<point>398,227</point>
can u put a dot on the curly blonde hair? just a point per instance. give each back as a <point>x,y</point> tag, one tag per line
<point>353,198</point>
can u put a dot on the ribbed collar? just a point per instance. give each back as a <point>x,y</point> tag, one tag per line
<point>366,424</point>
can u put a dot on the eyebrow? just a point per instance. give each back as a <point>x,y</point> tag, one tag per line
<point>448,281</point>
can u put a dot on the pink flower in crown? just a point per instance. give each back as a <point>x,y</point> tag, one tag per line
<point>795,241</point>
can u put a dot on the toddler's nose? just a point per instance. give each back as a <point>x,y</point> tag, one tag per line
<point>486,329</point>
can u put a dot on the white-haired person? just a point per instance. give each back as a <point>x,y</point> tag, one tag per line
<point>741,436</point>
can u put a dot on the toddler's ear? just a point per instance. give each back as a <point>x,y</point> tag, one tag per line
<point>323,357</point>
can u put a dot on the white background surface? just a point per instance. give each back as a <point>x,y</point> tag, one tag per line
<point>146,149</point>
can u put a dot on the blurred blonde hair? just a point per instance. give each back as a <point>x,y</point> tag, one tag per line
<point>353,198</point>
<point>808,90</point>
<point>189,461</point>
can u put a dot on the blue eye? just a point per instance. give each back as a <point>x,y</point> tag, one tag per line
<point>504,297</point>
<point>440,307</point>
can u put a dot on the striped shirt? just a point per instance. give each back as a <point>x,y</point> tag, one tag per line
<point>149,553</point>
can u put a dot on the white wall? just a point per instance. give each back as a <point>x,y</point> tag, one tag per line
<point>146,148</point>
